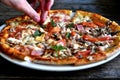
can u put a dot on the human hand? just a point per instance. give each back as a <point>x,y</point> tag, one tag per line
<point>24,6</point>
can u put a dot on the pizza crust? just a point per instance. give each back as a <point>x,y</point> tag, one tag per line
<point>55,61</point>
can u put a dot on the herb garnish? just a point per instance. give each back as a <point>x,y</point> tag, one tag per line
<point>67,35</point>
<point>53,23</point>
<point>37,33</point>
<point>57,47</point>
<point>71,25</point>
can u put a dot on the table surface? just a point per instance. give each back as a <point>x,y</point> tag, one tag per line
<point>107,8</point>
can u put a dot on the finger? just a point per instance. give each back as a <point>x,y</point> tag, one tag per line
<point>48,4</point>
<point>38,9</point>
<point>43,11</point>
<point>23,5</point>
<point>43,16</point>
<point>42,4</point>
<point>26,8</point>
<point>45,6</point>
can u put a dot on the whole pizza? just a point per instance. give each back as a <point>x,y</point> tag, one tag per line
<point>65,38</point>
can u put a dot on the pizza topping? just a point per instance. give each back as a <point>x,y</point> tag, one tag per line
<point>31,26</point>
<point>57,47</point>
<point>103,47</point>
<point>14,24</point>
<point>80,27</point>
<point>67,35</point>
<point>14,41</point>
<point>58,50</point>
<point>37,33</point>
<point>114,33</point>
<point>62,42</point>
<point>89,24</point>
<point>12,30</point>
<point>59,17</point>
<point>90,58</point>
<point>81,54</point>
<point>40,38</point>
<point>99,24</point>
<point>92,39</point>
<point>38,52</point>
<point>27,58</point>
<point>50,41</point>
<point>71,25</point>
<point>53,23</point>
<point>81,18</point>
<point>76,46</point>
<point>54,29</point>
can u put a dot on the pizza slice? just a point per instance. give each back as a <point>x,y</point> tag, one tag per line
<point>100,37</point>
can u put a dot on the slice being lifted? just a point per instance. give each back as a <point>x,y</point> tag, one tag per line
<point>85,38</point>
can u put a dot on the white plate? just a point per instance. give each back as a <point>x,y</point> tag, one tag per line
<point>57,68</point>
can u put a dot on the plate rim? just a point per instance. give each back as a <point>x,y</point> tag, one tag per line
<point>45,67</point>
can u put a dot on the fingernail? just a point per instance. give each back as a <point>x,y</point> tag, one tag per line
<point>37,19</point>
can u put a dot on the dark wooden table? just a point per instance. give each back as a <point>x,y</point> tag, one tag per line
<point>107,8</point>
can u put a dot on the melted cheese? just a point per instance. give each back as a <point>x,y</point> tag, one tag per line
<point>14,41</point>
<point>104,47</point>
<point>31,26</point>
<point>75,46</point>
<point>80,19</point>
<point>14,24</point>
<point>26,58</point>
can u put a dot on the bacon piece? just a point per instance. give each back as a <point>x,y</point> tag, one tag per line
<point>38,52</point>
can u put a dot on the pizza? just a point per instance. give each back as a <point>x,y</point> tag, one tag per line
<point>63,39</point>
